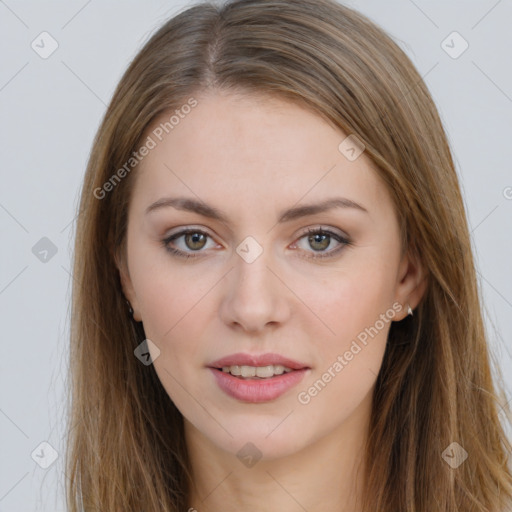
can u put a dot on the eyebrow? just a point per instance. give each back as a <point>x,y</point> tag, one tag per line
<point>296,212</point>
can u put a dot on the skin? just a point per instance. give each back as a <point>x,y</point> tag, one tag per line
<point>253,157</point>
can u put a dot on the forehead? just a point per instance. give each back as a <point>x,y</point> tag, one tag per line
<point>256,150</point>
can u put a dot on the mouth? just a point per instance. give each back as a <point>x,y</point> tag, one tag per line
<point>256,379</point>
<point>256,372</point>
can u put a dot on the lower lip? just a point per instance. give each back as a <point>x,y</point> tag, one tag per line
<point>257,390</point>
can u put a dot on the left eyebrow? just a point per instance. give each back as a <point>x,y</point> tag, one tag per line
<point>206,210</point>
<point>311,209</point>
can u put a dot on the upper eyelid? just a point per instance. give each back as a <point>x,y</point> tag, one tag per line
<point>317,227</point>
<point>304,230</point>
<point>184,231</point>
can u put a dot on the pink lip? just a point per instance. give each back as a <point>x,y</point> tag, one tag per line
<point>257,390</point>
<point>242,359</point>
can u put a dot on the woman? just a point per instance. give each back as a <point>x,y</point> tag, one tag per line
<point>278,307</point>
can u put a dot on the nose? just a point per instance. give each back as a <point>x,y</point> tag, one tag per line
<point>255,296</point>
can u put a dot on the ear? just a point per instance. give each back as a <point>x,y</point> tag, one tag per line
<point>411,283</point>
<point>127,286</point>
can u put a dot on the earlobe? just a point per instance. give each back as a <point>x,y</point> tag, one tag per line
<point>411,284</point>
<point>127,287</point>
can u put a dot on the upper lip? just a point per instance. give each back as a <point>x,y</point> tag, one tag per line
<point>242,359</point>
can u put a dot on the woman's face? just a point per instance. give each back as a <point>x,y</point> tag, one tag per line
<point>273,279</point>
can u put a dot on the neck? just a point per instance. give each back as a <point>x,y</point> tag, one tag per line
<point>325,475</point>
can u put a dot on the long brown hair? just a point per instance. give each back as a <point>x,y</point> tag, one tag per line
<point>126,449</point>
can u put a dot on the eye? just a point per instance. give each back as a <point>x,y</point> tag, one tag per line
<point>194,239</point>
<point>320,239</point>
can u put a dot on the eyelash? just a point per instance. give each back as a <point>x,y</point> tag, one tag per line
<point>181,254</point>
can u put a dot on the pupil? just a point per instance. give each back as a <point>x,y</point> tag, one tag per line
<point>195,238</point>
<point>320,239</point>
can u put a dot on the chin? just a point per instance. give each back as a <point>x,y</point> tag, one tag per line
<point>263,437</point>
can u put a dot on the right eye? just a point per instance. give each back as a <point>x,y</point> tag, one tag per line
<point>194,240</point>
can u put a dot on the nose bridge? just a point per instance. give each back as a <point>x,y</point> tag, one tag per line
<point>254,295</point>
<point>252,274</point>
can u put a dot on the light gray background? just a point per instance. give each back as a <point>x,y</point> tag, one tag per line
<point>50,110</point>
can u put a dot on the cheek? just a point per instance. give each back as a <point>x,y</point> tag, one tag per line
<point>357,309</point>
<point>347,302</point>
<point>174,315</point>
<point>168,294</point>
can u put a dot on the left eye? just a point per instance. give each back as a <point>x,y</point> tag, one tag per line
<point>320,239</point>
<point>195,240</point>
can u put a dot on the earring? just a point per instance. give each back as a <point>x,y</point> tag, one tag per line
<point>130,310</point>
<point>409,310</point>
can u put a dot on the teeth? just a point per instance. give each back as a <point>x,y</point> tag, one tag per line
<point>279,369</point>
<point>248,371</point>
<point>263,372</point>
